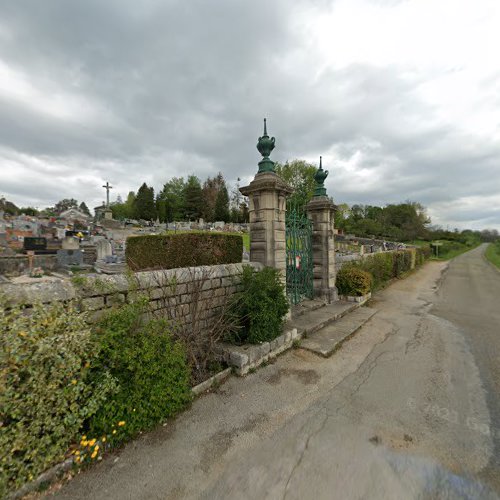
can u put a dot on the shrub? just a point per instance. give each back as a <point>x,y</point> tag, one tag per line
<point>353,281</point>
<point>45,392</point>
<point>170,251</point>
<point>260,306</point>
<point>149,366</point>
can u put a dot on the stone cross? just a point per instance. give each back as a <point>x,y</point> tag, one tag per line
<point>107,187</point>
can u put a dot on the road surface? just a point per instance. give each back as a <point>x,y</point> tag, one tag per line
<point>408,408</point>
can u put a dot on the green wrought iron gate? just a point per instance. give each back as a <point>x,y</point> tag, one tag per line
<point>299,260</point>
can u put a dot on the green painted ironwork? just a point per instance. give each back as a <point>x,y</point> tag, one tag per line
<point>320,177</point>
<point>299,257</point>
<point>265,145</point>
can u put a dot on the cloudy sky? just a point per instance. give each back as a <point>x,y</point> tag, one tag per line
<point>401,97</point>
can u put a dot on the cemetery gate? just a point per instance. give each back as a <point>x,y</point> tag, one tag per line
<point>299,256</point>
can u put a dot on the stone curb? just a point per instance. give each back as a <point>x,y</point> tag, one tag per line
<point>212,382</point>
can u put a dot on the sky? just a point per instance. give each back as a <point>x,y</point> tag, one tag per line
<point>400,97</point>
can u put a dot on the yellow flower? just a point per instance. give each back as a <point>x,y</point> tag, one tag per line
<point>96,447</point>
<point>77,452</point>
<point>103,439</point>
<point>93,454</point>
<point>84,437</point>
<point>73,381</point>
<point>121,423</point>
<point>114,431</point>
<point>92,442</point>
<point>84,442</point>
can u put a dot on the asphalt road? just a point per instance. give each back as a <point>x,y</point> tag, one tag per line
<point>408,408</point>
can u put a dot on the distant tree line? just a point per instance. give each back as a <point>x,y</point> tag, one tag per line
<point>184,199</point>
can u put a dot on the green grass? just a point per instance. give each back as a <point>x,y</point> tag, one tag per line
<point>452,249</point>
<point>493,253</point>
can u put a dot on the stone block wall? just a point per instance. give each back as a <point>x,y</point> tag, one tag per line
<point>14,265</point>
<point>171,293</point>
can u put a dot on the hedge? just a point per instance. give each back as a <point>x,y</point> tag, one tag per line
<point>353,281</point>
<point>388,265</point>
<point>171,251</point>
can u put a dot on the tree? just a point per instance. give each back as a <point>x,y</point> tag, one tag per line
<point>300,176</point>
<point>83,208</point>
<point>130,205</point>
<point>221,212</point>
<point>65,204</point>
<point>145,206</point>
<point>170,200</point>
<point>32,212</point>
<point>193,199</point>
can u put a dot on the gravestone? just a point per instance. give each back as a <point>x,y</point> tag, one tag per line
<point>34,244</point>
<point>70,243</point>
<point>69,257</point>
<point>104,249</point>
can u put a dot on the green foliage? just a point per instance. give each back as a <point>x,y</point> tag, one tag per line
<point>388,265</point>
<point>193,199</point>
<point>221,212</point>
<point>145,206</point>
<point>150,367</point>
<point>170,251</point>
<point>171,200</point>
<point>353,281</point>
<point>300,176</point>
<point>83,208</point>
<point>493,253</point>
<point>261,305</point>
<point>45,389</point>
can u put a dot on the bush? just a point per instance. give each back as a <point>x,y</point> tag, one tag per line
<point>170,251</point>
<point>149,366</point>
<point>260,306</point>
<point>45,392</point>
<point>353,281</point>
<point>388,265</point>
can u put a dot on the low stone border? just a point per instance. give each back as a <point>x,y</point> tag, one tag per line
<point>248,357</point>
<point>48,476</point>
<point>212,382</point>
<point>360,300</point>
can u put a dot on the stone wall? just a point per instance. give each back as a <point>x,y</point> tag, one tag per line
<point>171,293</point>
<point>15,265</point>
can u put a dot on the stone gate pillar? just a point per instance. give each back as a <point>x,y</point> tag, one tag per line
<point>321,211</point>
<point>267,195</point>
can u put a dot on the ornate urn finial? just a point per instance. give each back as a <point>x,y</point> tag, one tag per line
<point>320,177</point>
<point>265,145</point>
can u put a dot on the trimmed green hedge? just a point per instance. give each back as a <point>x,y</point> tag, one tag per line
<point>388,265</point>
<point>353,281</point>
<point>171,251</point>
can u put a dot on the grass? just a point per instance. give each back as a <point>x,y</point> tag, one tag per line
<point>493,253</point>
<point>450,250</point>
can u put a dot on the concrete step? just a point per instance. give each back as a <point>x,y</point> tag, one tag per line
<point>306,306</point>
<point>318,318</point>
<point>327,340</point>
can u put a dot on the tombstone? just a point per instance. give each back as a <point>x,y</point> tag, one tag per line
<point>104,249</point>
<point>70,243</point>
<point>69,257</point>
<point>34,244</point>
<point>219,225</point>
